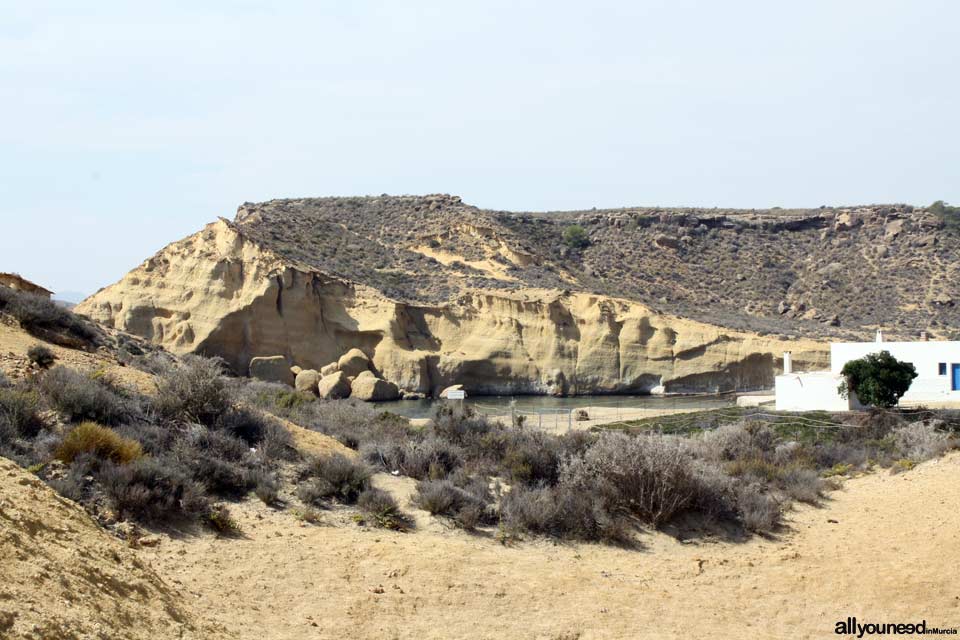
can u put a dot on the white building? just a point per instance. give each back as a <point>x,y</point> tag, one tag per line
<point>938,375</point>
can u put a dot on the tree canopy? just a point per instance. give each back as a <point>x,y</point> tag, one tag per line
<point>878,379</point>
<point>576,237</point>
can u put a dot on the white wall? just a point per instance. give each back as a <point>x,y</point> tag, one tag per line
<point>814,391</point>
<point>925,356</point>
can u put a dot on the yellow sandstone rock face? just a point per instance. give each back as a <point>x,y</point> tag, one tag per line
<point>219,293</point>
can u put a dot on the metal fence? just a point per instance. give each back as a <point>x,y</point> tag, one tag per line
<point>687,414</point>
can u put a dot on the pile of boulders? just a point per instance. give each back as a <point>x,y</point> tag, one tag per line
<point>352,376</point>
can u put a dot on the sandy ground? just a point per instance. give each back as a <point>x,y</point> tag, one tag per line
<point>63,577</point>
<point>15,342</point>
<point>884,548</point>
<point>599,415</point>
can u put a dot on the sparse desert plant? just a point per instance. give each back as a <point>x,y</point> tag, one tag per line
<point>444,498</point>
<point>380,509</point>
<point>759,511</point>
<point>901,465</point>
<point>100,442</point>
<point>41,355</point>
<point>652,477</point>
<point>19,413</point>
<point>153,489</point>
<point>222,521</point>
<point>333,477</point>
<point>563,512</point>
<point>803,485</point>
<point>192,390</point>
<point>267,488</point>
<point>308,515</point>
<point>919,441</point>
<point>87,397</point>
<point>45,319</point>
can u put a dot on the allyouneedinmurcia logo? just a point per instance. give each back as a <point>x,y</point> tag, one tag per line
<point>850,627</point>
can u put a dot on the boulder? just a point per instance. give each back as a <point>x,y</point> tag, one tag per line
<point>353,362</point>
<point>328,369</point>
<point>307,381</point>
<point>271,369</point>
<point>371,388</point>
<point>893,229</point>
<point>453,387</point>
<point>334,386</point>
<point>667,242</point>
<point>846,220</point>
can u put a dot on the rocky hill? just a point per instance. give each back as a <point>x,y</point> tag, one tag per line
<point>625,300</point>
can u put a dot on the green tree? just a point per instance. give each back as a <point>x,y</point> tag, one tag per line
<point>576,237</point>
<point>878,379</point>
<point>949,215</point>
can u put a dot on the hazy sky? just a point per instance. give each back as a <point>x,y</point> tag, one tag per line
<point>127,125</point>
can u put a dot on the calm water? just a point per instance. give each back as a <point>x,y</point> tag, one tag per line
<point>501,404</point>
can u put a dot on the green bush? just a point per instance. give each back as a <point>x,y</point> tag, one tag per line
<point>878,379</point>
<point>949,215</point>
<point>576,237</point>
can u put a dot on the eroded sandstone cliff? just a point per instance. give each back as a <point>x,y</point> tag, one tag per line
<point>222,292</point>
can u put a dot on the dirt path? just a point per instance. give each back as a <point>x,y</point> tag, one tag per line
<point>883,549</point>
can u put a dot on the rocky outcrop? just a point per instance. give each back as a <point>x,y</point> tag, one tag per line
<point>353,363</point>
<point>220,293</point>
<point>307,380</point>
<point>272,369</point>
<point>370,388</point>
<point>334,386</point>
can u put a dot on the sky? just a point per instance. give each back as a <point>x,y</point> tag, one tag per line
<point>126,125</point>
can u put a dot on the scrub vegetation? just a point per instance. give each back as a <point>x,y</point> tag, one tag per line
<point>173,457</point>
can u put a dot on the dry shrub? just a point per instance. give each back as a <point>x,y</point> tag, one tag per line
<point>651,477</point>
<point>153,489</point>
<point>803,485</point>
<point>467,507</point>
<point>759,511</point>
<point>41,356</point>
<point>221,520</point>
<point>563,512</point>
<point>87,397</point>
<point>192,390</point>
<point>99,441</point>
<point>919,441</point>
<point>744,440</point>
<point>19,413</point>
<point>334,477</point>
<point>380,509</point>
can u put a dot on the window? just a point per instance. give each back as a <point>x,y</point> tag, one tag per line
<point>943,368</point>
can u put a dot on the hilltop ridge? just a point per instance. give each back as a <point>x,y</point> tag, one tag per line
<point>775,270</point>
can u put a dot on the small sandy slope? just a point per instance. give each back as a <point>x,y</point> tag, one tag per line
<point>890,555</point>
<point>15,342</point>
<point>62,576</point>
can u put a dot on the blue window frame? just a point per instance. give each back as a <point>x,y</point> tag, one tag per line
<point>943,368</point>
